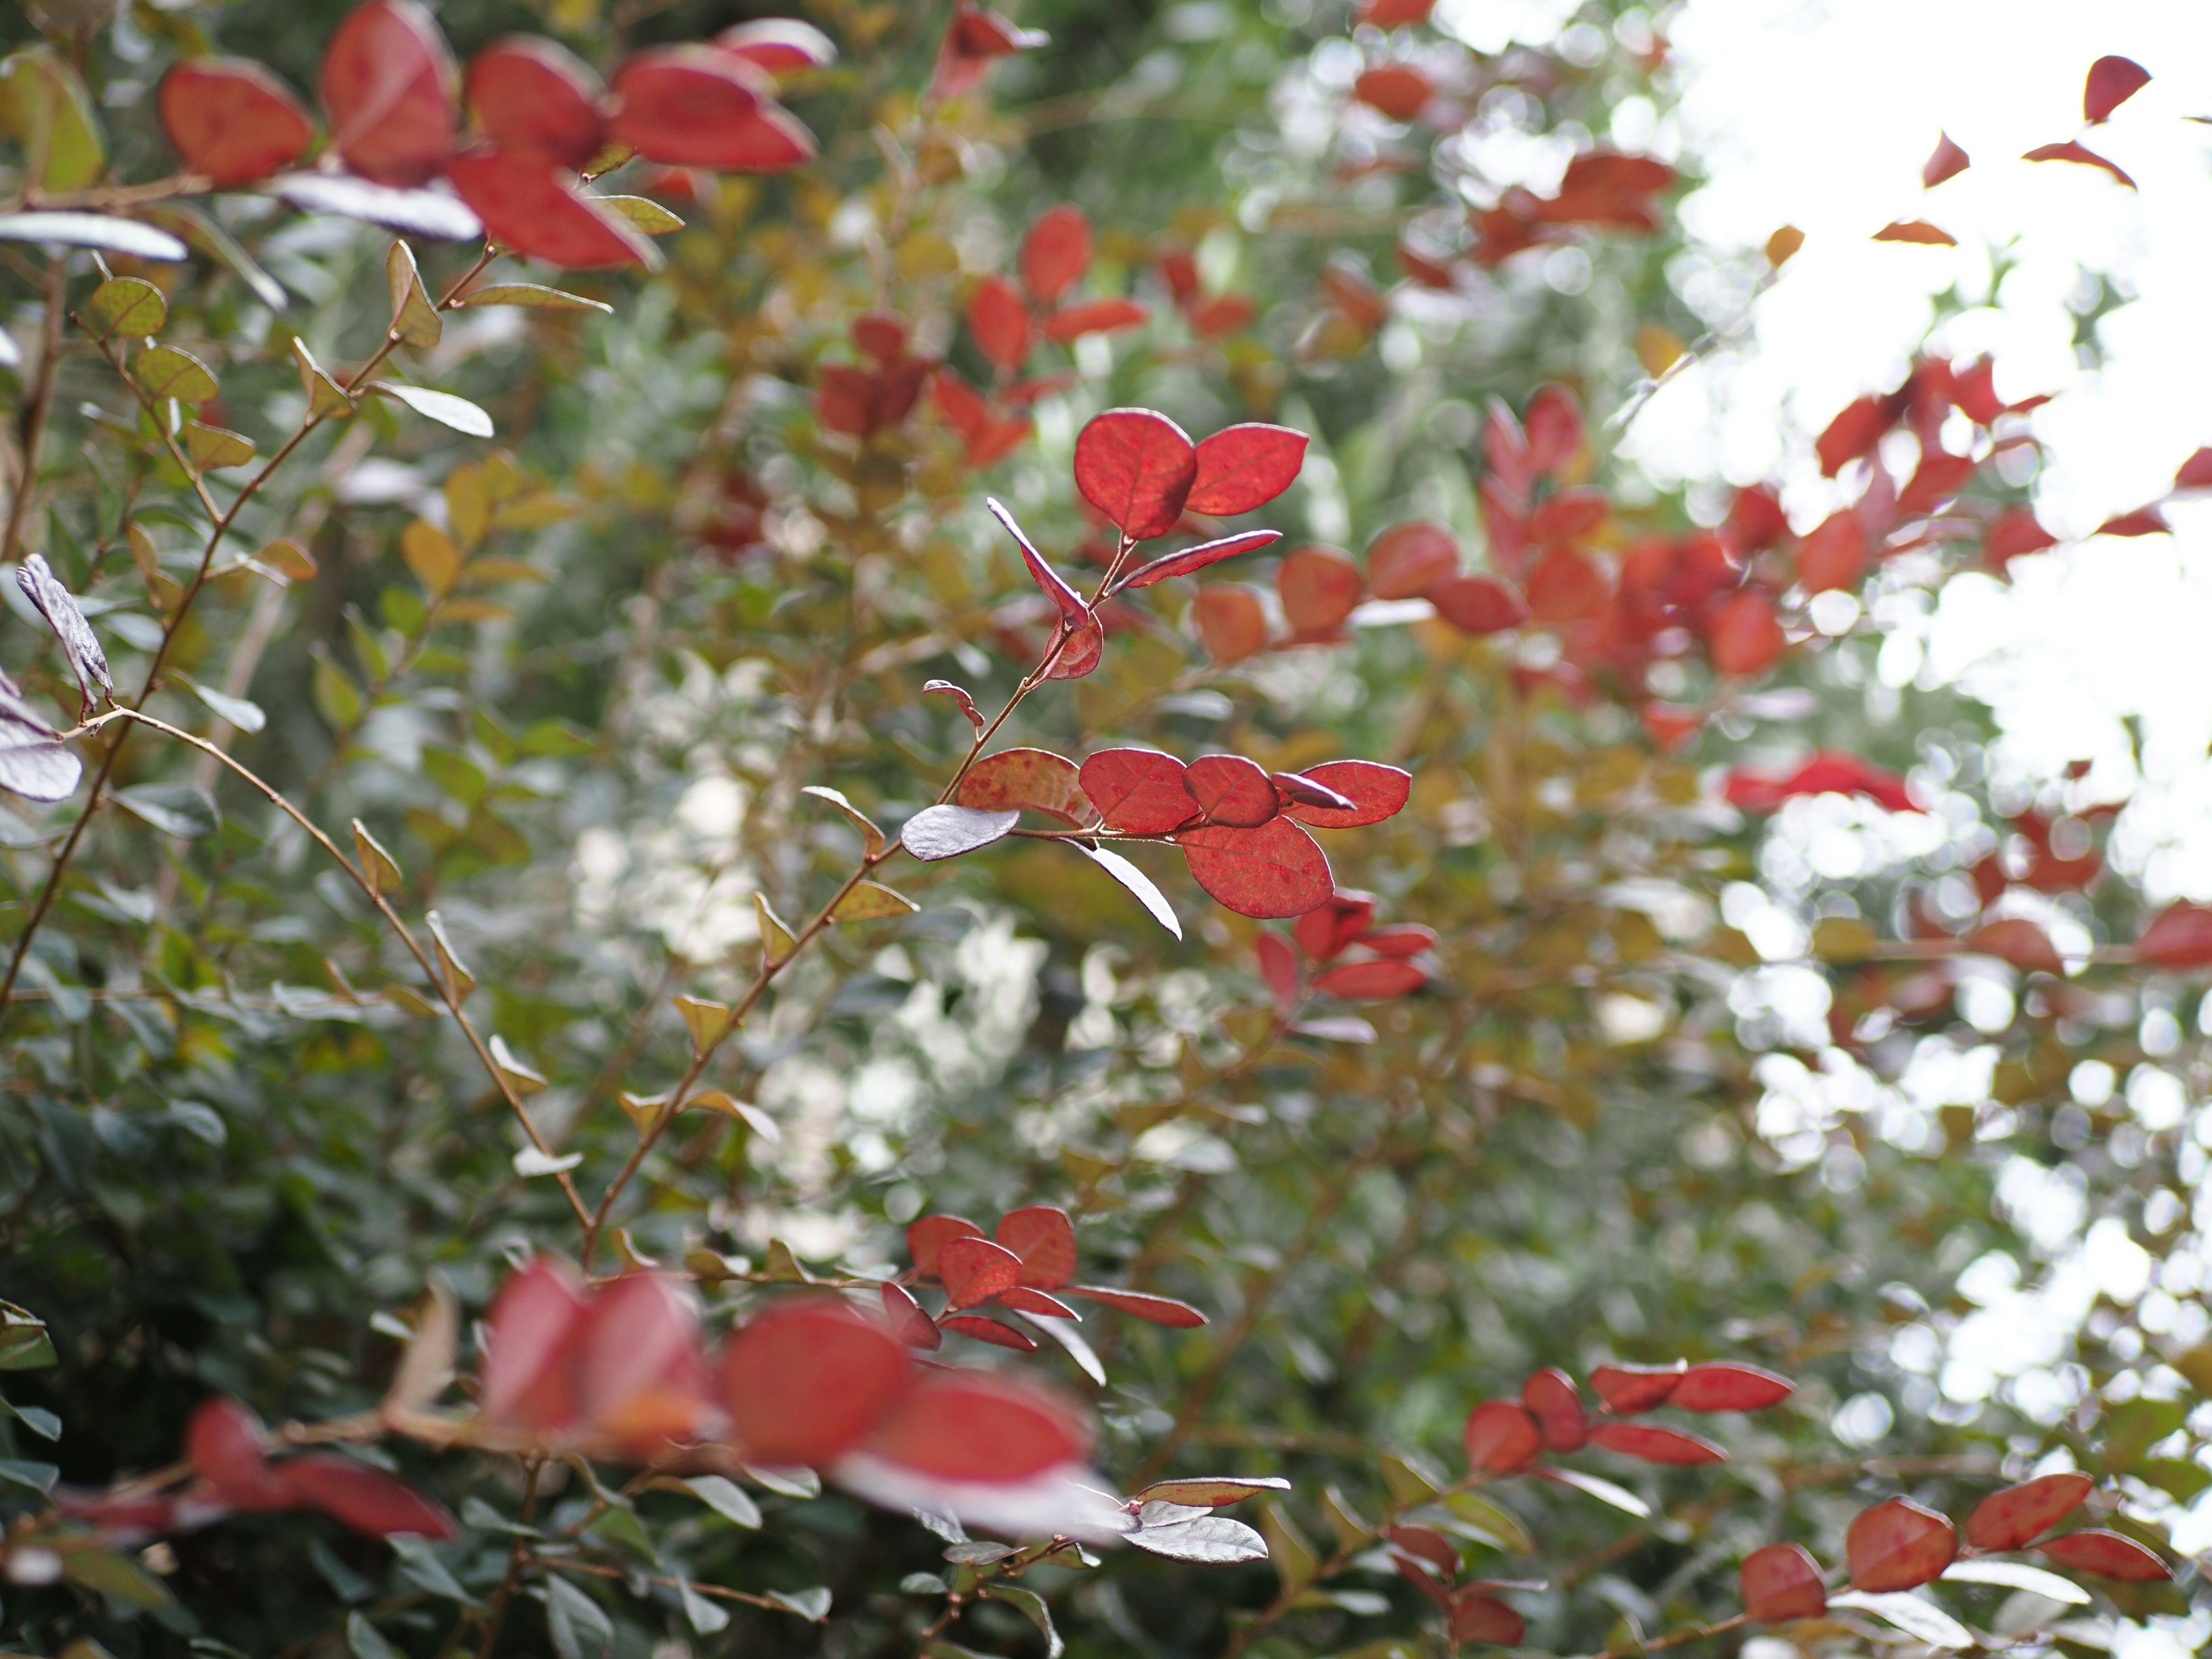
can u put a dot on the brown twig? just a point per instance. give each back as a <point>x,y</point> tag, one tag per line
<point>40,406</point>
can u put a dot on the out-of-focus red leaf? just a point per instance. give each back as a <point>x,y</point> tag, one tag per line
<point>781,45</point>
<point>1231,620</point>
<point>962,405</point>
<point>222,1443</point>
<point>1137,467</point>
<point>1142,1304</point>
<point>1279,966</point>
<point>1672,726</point>
<point>1833,553</point>
<point>996,440</point>
<point>983,1328</point>
<point>1408,559</point>
<point>695,107</point>
<point>1916,230</point>
<point>641,1378</point>
<point>2012,535</point>
<point>1653,1445</point>
<point>1425,1544</point>
<point>2107,1555</point>
<point>1855,430</point>
<point>1478,1618</point>
<point>2019,1514</point>
<point>1197,558</point>
<point>1627,1390</point>
<point>1043,1238</point>
<point>1555,430</point>
<point>1568,516</point>
<point>1276,870</point>
<point>1755,520</point>
<point>1056,252</point>
<point>1318,588</point>
<point>1404,938</point>
<point>1376,790</point>
<point>2080,156</point>
<point>1743,637</point>
<point>1395,13</point>
<point>1478,605</point>
<point>529,207</point>
<point>1245,466</point>
<point>2196,473</point>
<point>1054,586</point>
<point>1897,1545</point>
<point>1094,316</point>
<point>981,1426</point>
<point>1725,1385</point>
<point>1326,929</point>
<point>1027,1298</point>
<point>1782,1582</point>
<point>1828,771</point>
<point>2179,936</point>
<point>367,1500</point>
<point>387,82</point>
<point>1937,479</point>
<point>1378,980</point>
<point>1565,586</point>
<point>1232,790</point>
<point>2144,521</point>
<point>1399,90</point>
<point>2017,940</point>
<point>1947,161</point>
<point>1502,1437</point>
<point>1556,1405</point>
<point>1036,780</point>
<point>1138,790</point>
<point>231,121</point>
<point>1974,390</point>
<point>2109,83</point>
<point>536,100</point>
<point>926,1238</point>
<point>530,1336</point>
<point>1224,315</point>
<point>805,1379</point>
<point>975,1270</point>
<point>909,1324</point>
<point>998,317</point>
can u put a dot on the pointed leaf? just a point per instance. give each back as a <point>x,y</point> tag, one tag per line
<point>2107,1555</point>
<point>2110,82</point>
<point>80,647</point>
<point>2014,1575</point>
<point>1055,587</point>
<point>1197,558</point>
<point>1056,252</point>
<point>1377,791</point>
<point>975,1270</point>
<point>365,1499</point>
<point>1922,1620</point>
<point>1139,791</point>
<point>1147,892</point>
<point>1947,161</point>
<point>443,407</point>
<point>2080,156</point>
<point>1142,1304</point>
<point>414,319</point>
<point>872,837</point>
<point>531,296</point>
<point>1727,1386</point>
<point>926,1239</point>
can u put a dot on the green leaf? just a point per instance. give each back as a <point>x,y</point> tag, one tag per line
<point>648,216</point>
<point>707,1618</point>
<point>1294,1558</point>
<point>1491,1525</point>
<point>578,1626</point>
<point>1034,1605</point>
<point>456,775</point>
<point>37,1419</point>
<point>39,1477</point>
<point>115,1575</point>
<point>531,294</point>
<point>126,304</point>
<point>43,103</point>
<point>24,1344</point>
<point>245,716</point>
<point>183,810</point>
<point>365,1641</point>
<point>214,447</point>
<point>726,1499</point>
<point>787,1483</point>
<point>871,902</point>
<point>166,371</point>
<point>810,1604</point>
<point>443,407</point>
<point>336,697</point>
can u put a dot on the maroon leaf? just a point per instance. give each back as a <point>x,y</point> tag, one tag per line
<point>1833,553</point>
<point>1556,1405</point>
<point>1197,558</point>
<point>1094,316</point>
<point>529,1372</point>
<point>694,106</point>
<point>640,1376</point>
<point>1398,90</point>
<point>2107,1555</point>
<point>532,208</point>
<point>1377,791</point>
<point>1138,790</point>
<point>2110,82</point>
<point>2006,1520</point>
<point>1502,1437</point>
<point>1949,161</point>
<point>1142,1304</point>
<point>967,704</point>
<point>1743,637</point>
<point>1627,1390</point>
<point>926,1238</point>
<point>365,1499</point>
<point>1565,586</point>
<point>1056,252</point>
<point>1655,1445</point>
<point>1372,981</point>
<point>1232,790</point>
<point>1043,1239</point>
<point>222,1443</point>
<point>1136,466</point>
<point>1478,1618</point>
<point>1078,652</point>
<point>231,121</point>
<point>1723,1385</point>
<point>1408,559</point>
<point>1319,587</point>
<point>2017,940</point>
<point>1855,430</point>
<point>1404,938</point>
<point>1478,605</point>
<point>1245,466</point>
<point>1897,1545</point>
<point>975,1270</point>
<point>535,99</point>
<point>1231,622</point>
<point>781,45</point>
<point>1027,1298</point>
<point>387,82</point>
<point>979,1426</point>
<point>1054,584</point>
<point>806,1378</point>
<point>1276,870</point>
<point>909,1324</point>
<point>1034,780</point>
<point>1326,929</point>
<point>1782,1582</point>
<point>986,1329</point>
<point>2179,936</point>
<point>2144,521</point>
<point>2080,156</point>
<point>1555,434</point>
<point>998,317</point>
<point>1279,966</point>
<point>1425,1544</point>
<point>2196,473</point>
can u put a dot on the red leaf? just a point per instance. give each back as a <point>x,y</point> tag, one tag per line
<point>1936,480</point>
<point>2017,940</point>
<point>1407,560</point>
<point>388,81</point>
<point>1502,1437</point>
<point>222,1443</point>
<point>1478,605</point>
<point>2196,473</point>
<point>975,1270</point>
<point>1399,90</point>
<point>979,1426</point>
<point>1897,1545</point>
<point>1139,790</point>
<point>1833,553</point>
<point>2080,155</point>
<point>531,208</point>
<point>2180,936</point>
<point>781,46</point>
<point>998,317</point>
<point>1755,520</point>
<point>1742,637</point>
<point>1094,316</point>
<point>1555,434</point>
<point>1723,1385</point>
<point>1854,432</point>
<point>926,1238</point>
<point>1224,315</point>
<point>1670,725</point>
<point>1556,1405</point>
<point>2110,82</point>
<point>1426,1544</point>
<point>1230,622</point>
<point>2012,535</point>
<point>1782,1582</point>
<point>1245,466</point>
<point>995,1331</point>
<point>1055,254</point>
<point>1565,586</point>
<point>1043,1239</point>
<point>1033,779</point>
<point>1276,870</point>
<point>844,400</point>
<point>997,439</point>
<point>1655,1445</point>
<point>1627,1390</point>
<point>1372,981</point>
<point>232,121</point>
<point>1279,966</point>
<point>1232,790</point>
<point>2006,1520</point>
<point>529,1336</point>
<point>2144,521</point>
<point>1197,558</point>
<point>805,1378</point>
<point>1828,771</point>
<point>909,1324</point>
<point>2107,1555</point>
<point>961,404</point>
<point>1142,1304</point>
<point>1947,161</point>
<point>1027,1298</point>
<point>1404,938</point>
<point>640,1376</point>
<point>694,106</point>
<point>1974,390</point>
<point>1326,929</point>
<point>536,100</point>
<point>1916,230</point>
<point>1395,13</point>
<point>1054,584</point>
<point>1569,515</point>
<point>1478,1618</point>
<point>1377,791</point>
<point>365,1499</point>
<point>1319,587</point>
<point>1137,467</point>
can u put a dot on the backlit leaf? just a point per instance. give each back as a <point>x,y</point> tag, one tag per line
<point>1137,467</point>
<point>945,832</point>
<point>388,83</point>
<point>1274,870</point>
<point>1245,466</point>
<point>2107,1555</point>
<point>1782,1582</point>
<point>2110,82</point>
<point>1899,1544</point>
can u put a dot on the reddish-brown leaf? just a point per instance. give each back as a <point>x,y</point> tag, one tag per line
<point>1627,1390</point>
<point>1137,467</point>
<point>1569,515</point>
<point>1672,726</point>
<point>1197,558</point>
<point>997,439</point>
<point>222,1443</point>
<point>1723,1385</point>
<point>1032,779</point>
<point>530,207</point>
<point>1399,90</point>
<point>2012,535</point>
<point>1897,1545</point>
<point>1232,790</point>
<point>1326,929</point>
<point>1379,981</point>
<point>1377,791</point>
<point>2109,83</point>
<point>2018,1514</point>
<point>981,1426</point>
<point>1947,161</point>
<point>695,107</point>
<point>641,1378</point>
<point>1407,561</point>
<point>1279,966</point>
<point>1094,316</point>
<point>1755,522</point>
<point>1502,1437</point>
<point>1478,1618</point>
<point>535,99</point>
<point>1916,230</point>
<point>1296,789</point>
<point>1556,1405</point>
<point>781,45</point>
<point>1139,790</point>
<point>1782,1582</point>
<point>909,1324</point>
<point>975,1270</point>
<point>1142,1304</point>
<point>998,317</point>
<point>1565,586</point>
<point>1478,605</point>
<point>1054,586</point>
<point>1833,553</point>
<point>1555,430</point>
<point>1854,432</point>
<point>1743,637</point>
<point>1404,938</point>
<point>2196,473</point>
<point>986,1329</point>
<point>2107,1555</point>
<point>530,1337</point>
<point>387,82</point>
<point>231,121</point>
<point>1937,479</point>
<point>804,1380</point>
<point>2179,936</point>
<point>2080,156</point>
<point>1395,13</point>
<point>2144,521</point>
<point>1231,620</point>
<point>1043,1239</point>
<point>367,1500</point>
<point>1655,1445</point>
<point>1425,1544</point>
<point>1222,315</point>
<point>1318,588</point>
<point>926,1239</point>
<point>1276,870</point>
<point>1245,466</point>
<point>2017,940</point>
<point>962,405</point>
<point>1055,254</point>
<point>1027,1298</point>
<point>1827,771</point>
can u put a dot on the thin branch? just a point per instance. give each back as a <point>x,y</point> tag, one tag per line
<point>40,406</point>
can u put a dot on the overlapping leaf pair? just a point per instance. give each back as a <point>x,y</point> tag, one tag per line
<point>1031,1253</point>
<point>1507,1437</point>
<point>1386,961</point>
